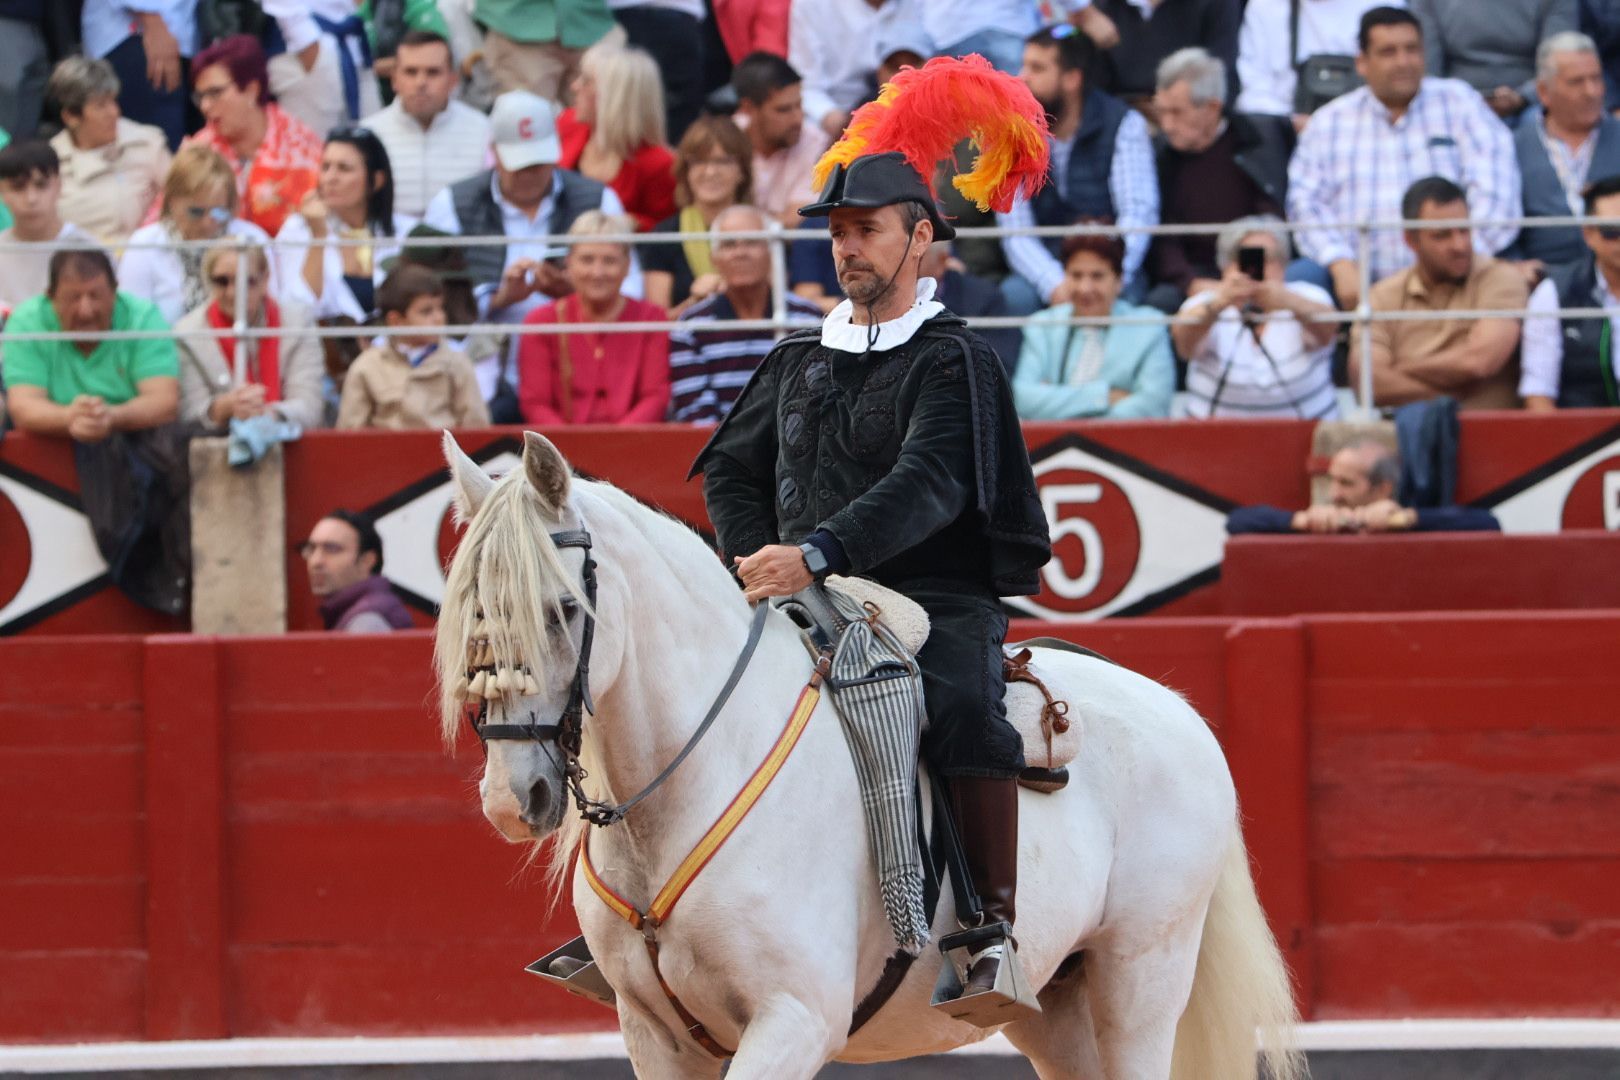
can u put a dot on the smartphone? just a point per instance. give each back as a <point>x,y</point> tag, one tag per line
<point>1252,261</point>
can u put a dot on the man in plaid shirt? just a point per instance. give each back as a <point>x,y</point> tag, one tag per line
<point>1361,152</point>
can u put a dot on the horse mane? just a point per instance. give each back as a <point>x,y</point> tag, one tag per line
<point>507,572</point>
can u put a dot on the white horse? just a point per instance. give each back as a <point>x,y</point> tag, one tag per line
<point>1137,866</point>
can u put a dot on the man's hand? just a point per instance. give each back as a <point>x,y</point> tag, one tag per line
<point>1096,26</point>
<point>1323,519</point>
<point>550,279</point>
<point>706,285</point>
<point>162,52</point>
<point>773,570</point>
<point>1060,295</point>
<point>1346,282</point>
<point>516,283</point>
<point>1385,515</point>
<point>89,419</point>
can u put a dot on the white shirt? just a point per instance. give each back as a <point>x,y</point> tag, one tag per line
<point>1541,349</point>
<point>951,21</point>
<point>1263,66</point>
<point>1133,184</point>
<point>25,274</point>
<point>1253,387</point>
<point>839,331</point>
<point>106,24</point>
<point>337,298</point>
<point>832,44</point>
<point>425,162</point>
<point>158,275</point>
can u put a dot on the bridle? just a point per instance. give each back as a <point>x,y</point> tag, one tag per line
<point>568,732</point>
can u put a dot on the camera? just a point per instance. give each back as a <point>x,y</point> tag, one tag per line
<point>1252,261</point>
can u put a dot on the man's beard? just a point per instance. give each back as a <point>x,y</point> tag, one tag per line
<point>867,289</point>
<point>1053,106</point>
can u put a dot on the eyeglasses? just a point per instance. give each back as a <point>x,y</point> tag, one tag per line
<point>202,97</point>
<point>217,214</point>
<point>225,281</point>
<point>351,131</point>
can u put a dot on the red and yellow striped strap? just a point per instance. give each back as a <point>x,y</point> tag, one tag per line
<point>718,833</point>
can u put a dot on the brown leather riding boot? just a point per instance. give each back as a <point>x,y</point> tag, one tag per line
<point>986,811</point>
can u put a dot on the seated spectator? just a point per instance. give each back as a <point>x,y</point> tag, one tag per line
<point>533,46</point>
<point>276,159</point>
<point>713,170</point>
<point>1070,372</point>
<point>31,189</point>
<point>1601,19</point>
<point>786,145</point>
<point>1342,168</point>
<point>1572,364</point>
<point>1362,481</point>
<point>1212,170</point>
<point>1102,167</point>
<point>344,559</point>
<point>432,139</point>
<point>1148,33</point>
<point>1563,145</point>
<point>354,202</point>
<point>1471,360</point>
<point>1254,350</point>
<point>89,390</point>
<point>279,375</point>
<point>412,381</point>
<point>831,44</point>
<point>672,33</point>
<point>1495,55</point>
<point>997,29</point>
<point>1270,51</point>
<point>525,198</point>
<point>324,77</point>
<point>614,133</point>
<point>149,46</point>
<point>970,296</point>
<point>112,168</point>
<point>595,378</point>
<point>198,203</point>
<point>709,364</point>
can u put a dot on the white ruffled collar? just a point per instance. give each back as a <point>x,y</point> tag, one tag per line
<point>839,332</point>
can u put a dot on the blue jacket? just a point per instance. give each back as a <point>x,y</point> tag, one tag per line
<point>1135,358</point>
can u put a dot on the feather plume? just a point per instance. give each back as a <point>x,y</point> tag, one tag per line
<point>924,112</point>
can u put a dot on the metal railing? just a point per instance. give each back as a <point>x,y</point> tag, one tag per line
<point>1362,318</point>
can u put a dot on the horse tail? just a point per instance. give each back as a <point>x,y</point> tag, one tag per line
<point>1240,987</point>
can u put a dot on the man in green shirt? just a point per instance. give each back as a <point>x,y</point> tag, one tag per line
<point>535,45</point>
<point>87,390</point>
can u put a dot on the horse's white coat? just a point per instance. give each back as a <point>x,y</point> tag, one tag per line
<point>781,935</point>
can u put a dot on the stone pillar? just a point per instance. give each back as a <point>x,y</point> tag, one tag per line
<point>238,543</point>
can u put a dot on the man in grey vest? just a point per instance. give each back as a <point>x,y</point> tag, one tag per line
<point>526,197</point>
<point>1563,146</point>
<point>1570,364</point>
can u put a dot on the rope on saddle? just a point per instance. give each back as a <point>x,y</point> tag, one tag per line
<point>1055,713</point>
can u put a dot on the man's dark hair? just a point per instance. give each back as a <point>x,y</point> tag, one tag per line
<point>418,38</point>
<point>1600,189</point>
<point>1075,50</point>
<point>1385,16</point>
<point>27,159</point>
<point>911,212</point>
<point>408,281</point>
<point>82,263</point>
<point>1430,189</point>
<point>362,525</point>
<point>760,74</point>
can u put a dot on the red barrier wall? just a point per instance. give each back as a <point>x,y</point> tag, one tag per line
<point>209,837</point>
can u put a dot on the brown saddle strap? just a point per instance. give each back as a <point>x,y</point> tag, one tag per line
<point>1055,713</point>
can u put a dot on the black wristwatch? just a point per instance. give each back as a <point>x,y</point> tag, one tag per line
<point>814,560</point>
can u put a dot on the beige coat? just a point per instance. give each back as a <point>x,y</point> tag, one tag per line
<point>107,191</point>
<point>383,390</point>
<point>204,372</point>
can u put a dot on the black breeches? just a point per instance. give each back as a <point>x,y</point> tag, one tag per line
<point>968,732</point>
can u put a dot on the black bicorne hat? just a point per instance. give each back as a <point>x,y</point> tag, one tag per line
<point>874,180</point>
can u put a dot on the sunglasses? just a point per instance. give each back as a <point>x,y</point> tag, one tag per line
<point>1609,232</point>
<point>350,132</point>
<point>217,214</point>
<point>225,281</point>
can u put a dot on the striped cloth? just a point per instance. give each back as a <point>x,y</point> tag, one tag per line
<point>877,691</point>
<point>710,364</point>
<point>1299,385</point>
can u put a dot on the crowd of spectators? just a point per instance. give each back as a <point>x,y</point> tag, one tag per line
<point>318,134</point>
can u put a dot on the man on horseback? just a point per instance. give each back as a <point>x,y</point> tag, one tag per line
<point>885,445</point>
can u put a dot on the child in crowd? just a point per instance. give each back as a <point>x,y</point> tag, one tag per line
<point>413,380</point>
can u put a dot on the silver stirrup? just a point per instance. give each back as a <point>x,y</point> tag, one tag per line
<point>572,968</point>
<point>1011,998</point>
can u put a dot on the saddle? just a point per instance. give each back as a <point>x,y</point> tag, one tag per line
<point>1050,739</point>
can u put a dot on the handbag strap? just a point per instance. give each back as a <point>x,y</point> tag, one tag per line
<point>1293,35</point>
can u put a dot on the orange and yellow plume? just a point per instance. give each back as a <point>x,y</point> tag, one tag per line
<point>924,112</point>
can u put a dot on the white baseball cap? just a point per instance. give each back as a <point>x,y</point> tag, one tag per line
<point>524,129</point>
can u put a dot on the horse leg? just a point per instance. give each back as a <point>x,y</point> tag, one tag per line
<point>784,1040</point>
<point>1137,997</point>
<point>654,1052</point>
<point>1060,1043</point>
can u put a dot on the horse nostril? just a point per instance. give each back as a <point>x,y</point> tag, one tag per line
<point>539,798</point>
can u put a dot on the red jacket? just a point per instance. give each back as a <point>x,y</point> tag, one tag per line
<point>646,180</point>
<point>752,26</point>
<point>613,378</point>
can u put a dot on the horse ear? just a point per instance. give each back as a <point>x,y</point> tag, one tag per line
<point>471,483</point>
<point>547,470</point>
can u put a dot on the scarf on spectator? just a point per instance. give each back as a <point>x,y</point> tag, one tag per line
<point>698,252</point>
<point>193,289</point>
<point>267,371</point>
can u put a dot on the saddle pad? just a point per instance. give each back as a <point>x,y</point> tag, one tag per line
<point>1057,670</point>
<point>904,617</point>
